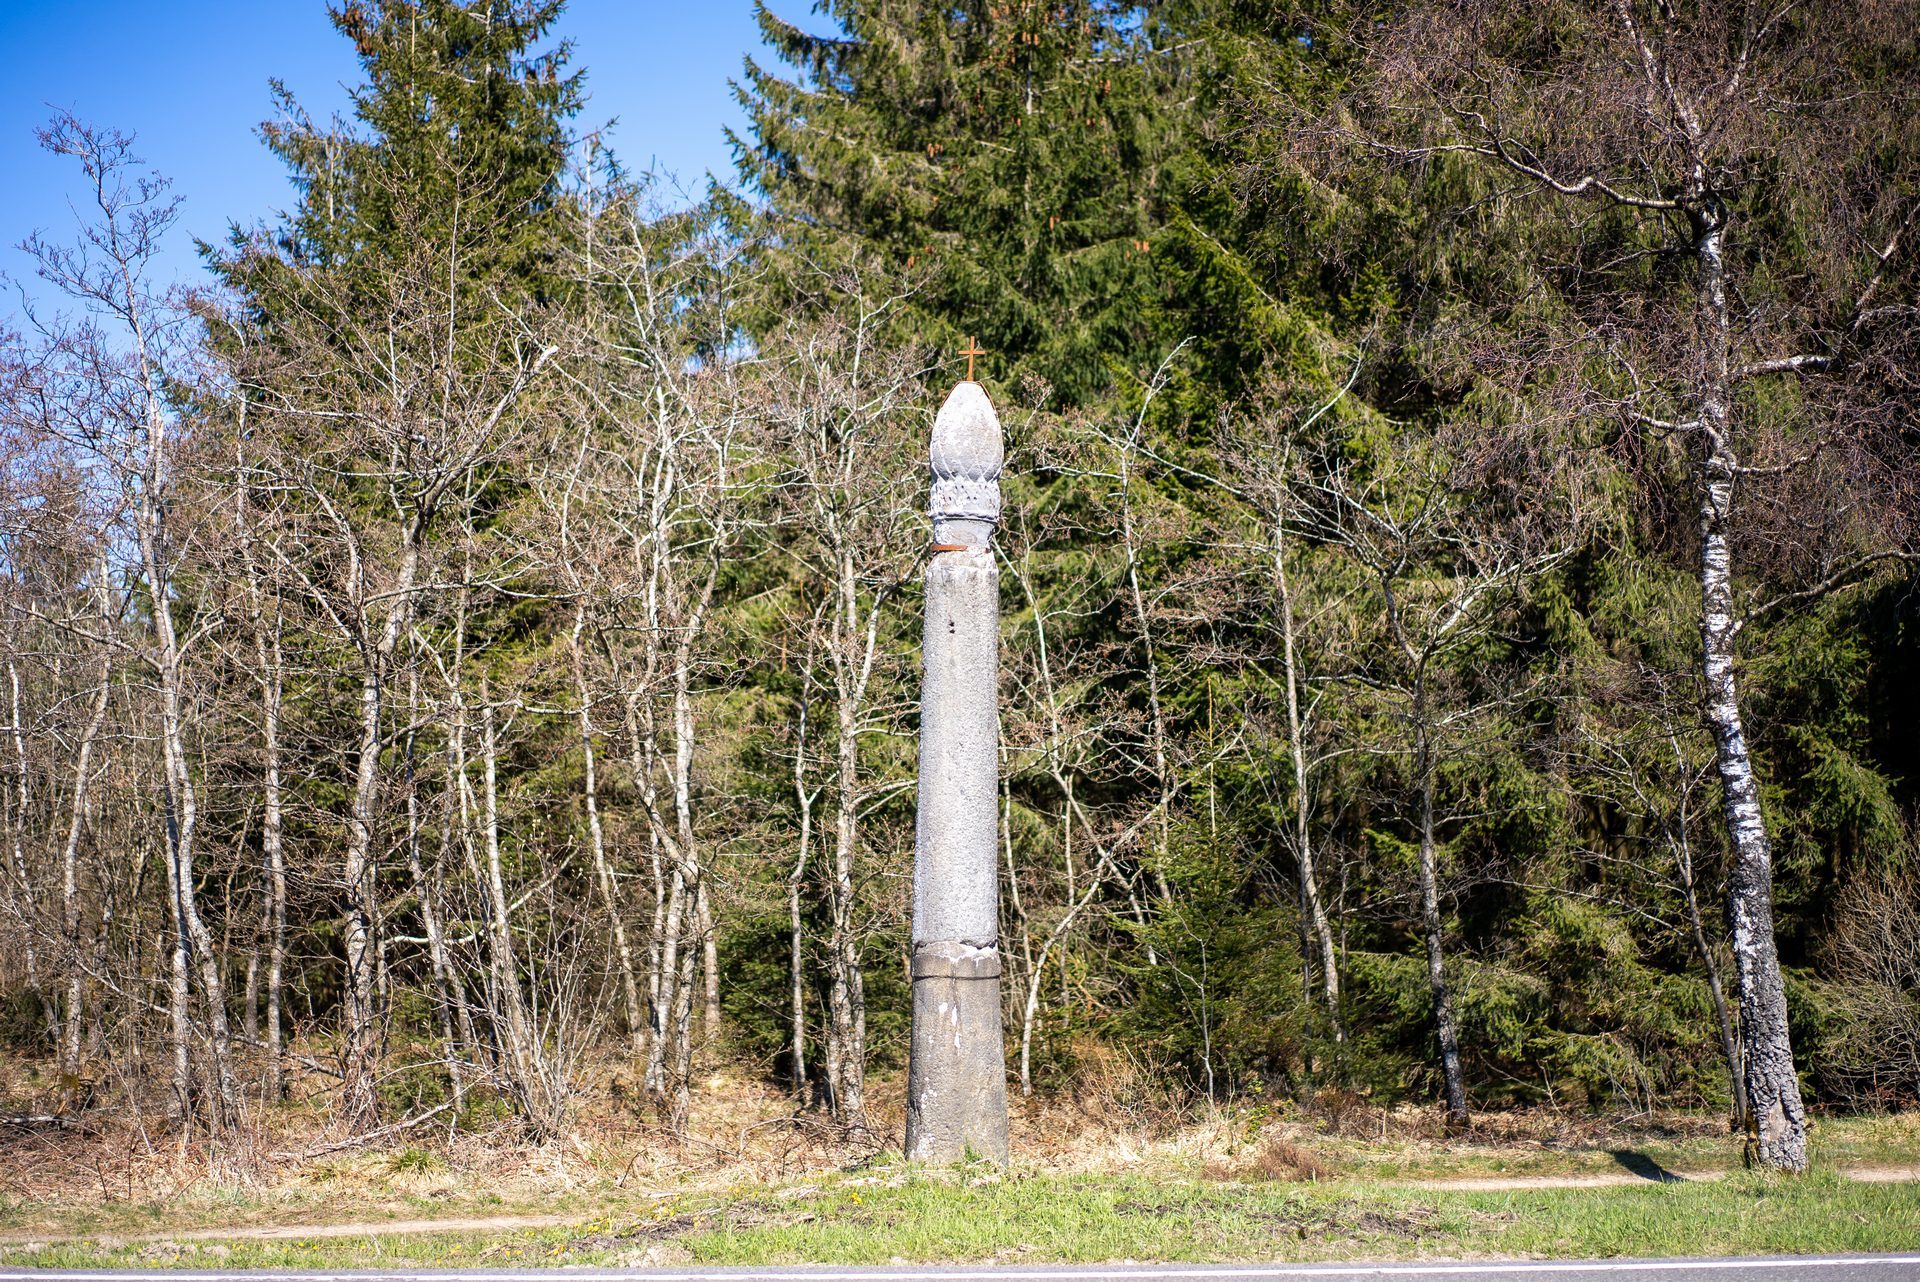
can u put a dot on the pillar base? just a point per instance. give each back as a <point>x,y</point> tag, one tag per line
<point>957,1069</point>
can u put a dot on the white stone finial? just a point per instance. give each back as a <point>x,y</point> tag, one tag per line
<point>967,456</point>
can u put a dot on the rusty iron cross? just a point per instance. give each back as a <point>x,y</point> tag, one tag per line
<point>971,350</point>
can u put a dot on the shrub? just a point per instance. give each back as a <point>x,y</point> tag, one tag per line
<point>1872,1059</point>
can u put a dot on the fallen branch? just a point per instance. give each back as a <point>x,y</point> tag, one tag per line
<point>392,1128</point>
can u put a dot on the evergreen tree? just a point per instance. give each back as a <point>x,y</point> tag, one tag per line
<point>1010,154</point>
<point>463,131</point>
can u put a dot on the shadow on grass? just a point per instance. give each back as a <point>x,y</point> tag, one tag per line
<point>1646,1168</point>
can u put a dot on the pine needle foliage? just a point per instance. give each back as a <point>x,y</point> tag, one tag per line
<point>1009,155</point>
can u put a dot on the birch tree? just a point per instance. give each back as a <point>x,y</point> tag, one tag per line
<point>387,397</point>
<point>1647,136</point>
<point>665,458</point>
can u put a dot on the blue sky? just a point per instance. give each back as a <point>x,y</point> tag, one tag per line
<point>189,79</point>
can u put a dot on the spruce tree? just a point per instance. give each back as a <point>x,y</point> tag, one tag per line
<point>1008,154</point>
<point>460,128</point>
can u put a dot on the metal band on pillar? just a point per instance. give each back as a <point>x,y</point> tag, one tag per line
<point>956,1075</point>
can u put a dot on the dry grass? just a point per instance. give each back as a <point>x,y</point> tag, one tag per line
<point>118,1170</point>
<point>1276,1158</point>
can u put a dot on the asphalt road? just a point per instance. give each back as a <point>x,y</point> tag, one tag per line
<point>1850,1268</point>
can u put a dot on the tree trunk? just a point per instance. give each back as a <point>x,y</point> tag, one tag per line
<point>522,1049</point>
<point>272,840</point>
<point>1033,969</point>
<point>359,1104</point>
<point>846,993</point>
<point>796,930</point>
<point>688,919</point>
<point>1037,967</point>
<point>425,893</point>
<point>1311,903</point>
<point>179,996</point>
<point>640,757</point>
<point>709,967</point>
<point>699,918</point>
<point>1777,1124</point>
<point>268,655</point>
<point>1156,718</point>
<point>456,819</point>
<point>661,1053</point>
<point>250,997</point>
<point>1445,1024</point>
<point>72,1018</point>
<point>597,841</point>
<point>181,814</point>
<point>680,1071</point>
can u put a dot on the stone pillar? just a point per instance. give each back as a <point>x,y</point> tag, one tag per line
<point>957,1072</point>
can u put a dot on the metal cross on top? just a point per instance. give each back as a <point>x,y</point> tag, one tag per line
<point>971,350</point>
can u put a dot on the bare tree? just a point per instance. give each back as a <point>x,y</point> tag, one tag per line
<point>807,787</point>
<point>845,413</point>
<point>1056,735</point>
<point>264,607</point>
<point>668,445</point>
<point>102,384</point>
<point>61,626</point>
<point>75,946</point>
<point>1451,528</point>
<point>393,386</point>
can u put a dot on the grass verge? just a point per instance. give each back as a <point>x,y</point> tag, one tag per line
<point>898,1215</point>
<point>1545,1144</point>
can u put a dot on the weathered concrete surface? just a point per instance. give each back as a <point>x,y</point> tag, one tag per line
<point>956,848</point>
<point>956,1067</point>
<point>956,1076</point>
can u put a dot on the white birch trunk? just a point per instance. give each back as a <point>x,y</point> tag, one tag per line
<point>1311,903</point>
<point>1445,1022</point>
<point>1777,1124</point>
<point>796,883</point>
<point>268,657</point>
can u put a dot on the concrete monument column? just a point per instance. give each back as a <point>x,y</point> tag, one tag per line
<point>956,1074</point>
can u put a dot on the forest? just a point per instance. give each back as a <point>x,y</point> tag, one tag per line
<point>1458,570</point>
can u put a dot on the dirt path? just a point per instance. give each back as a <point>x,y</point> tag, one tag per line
<point>1885,1174</point>
<point>1619,1179</point>
<point>517,1223</point>
<point>295,1232</point>
<point>379,1228</point>
<point>1521,1183</point>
